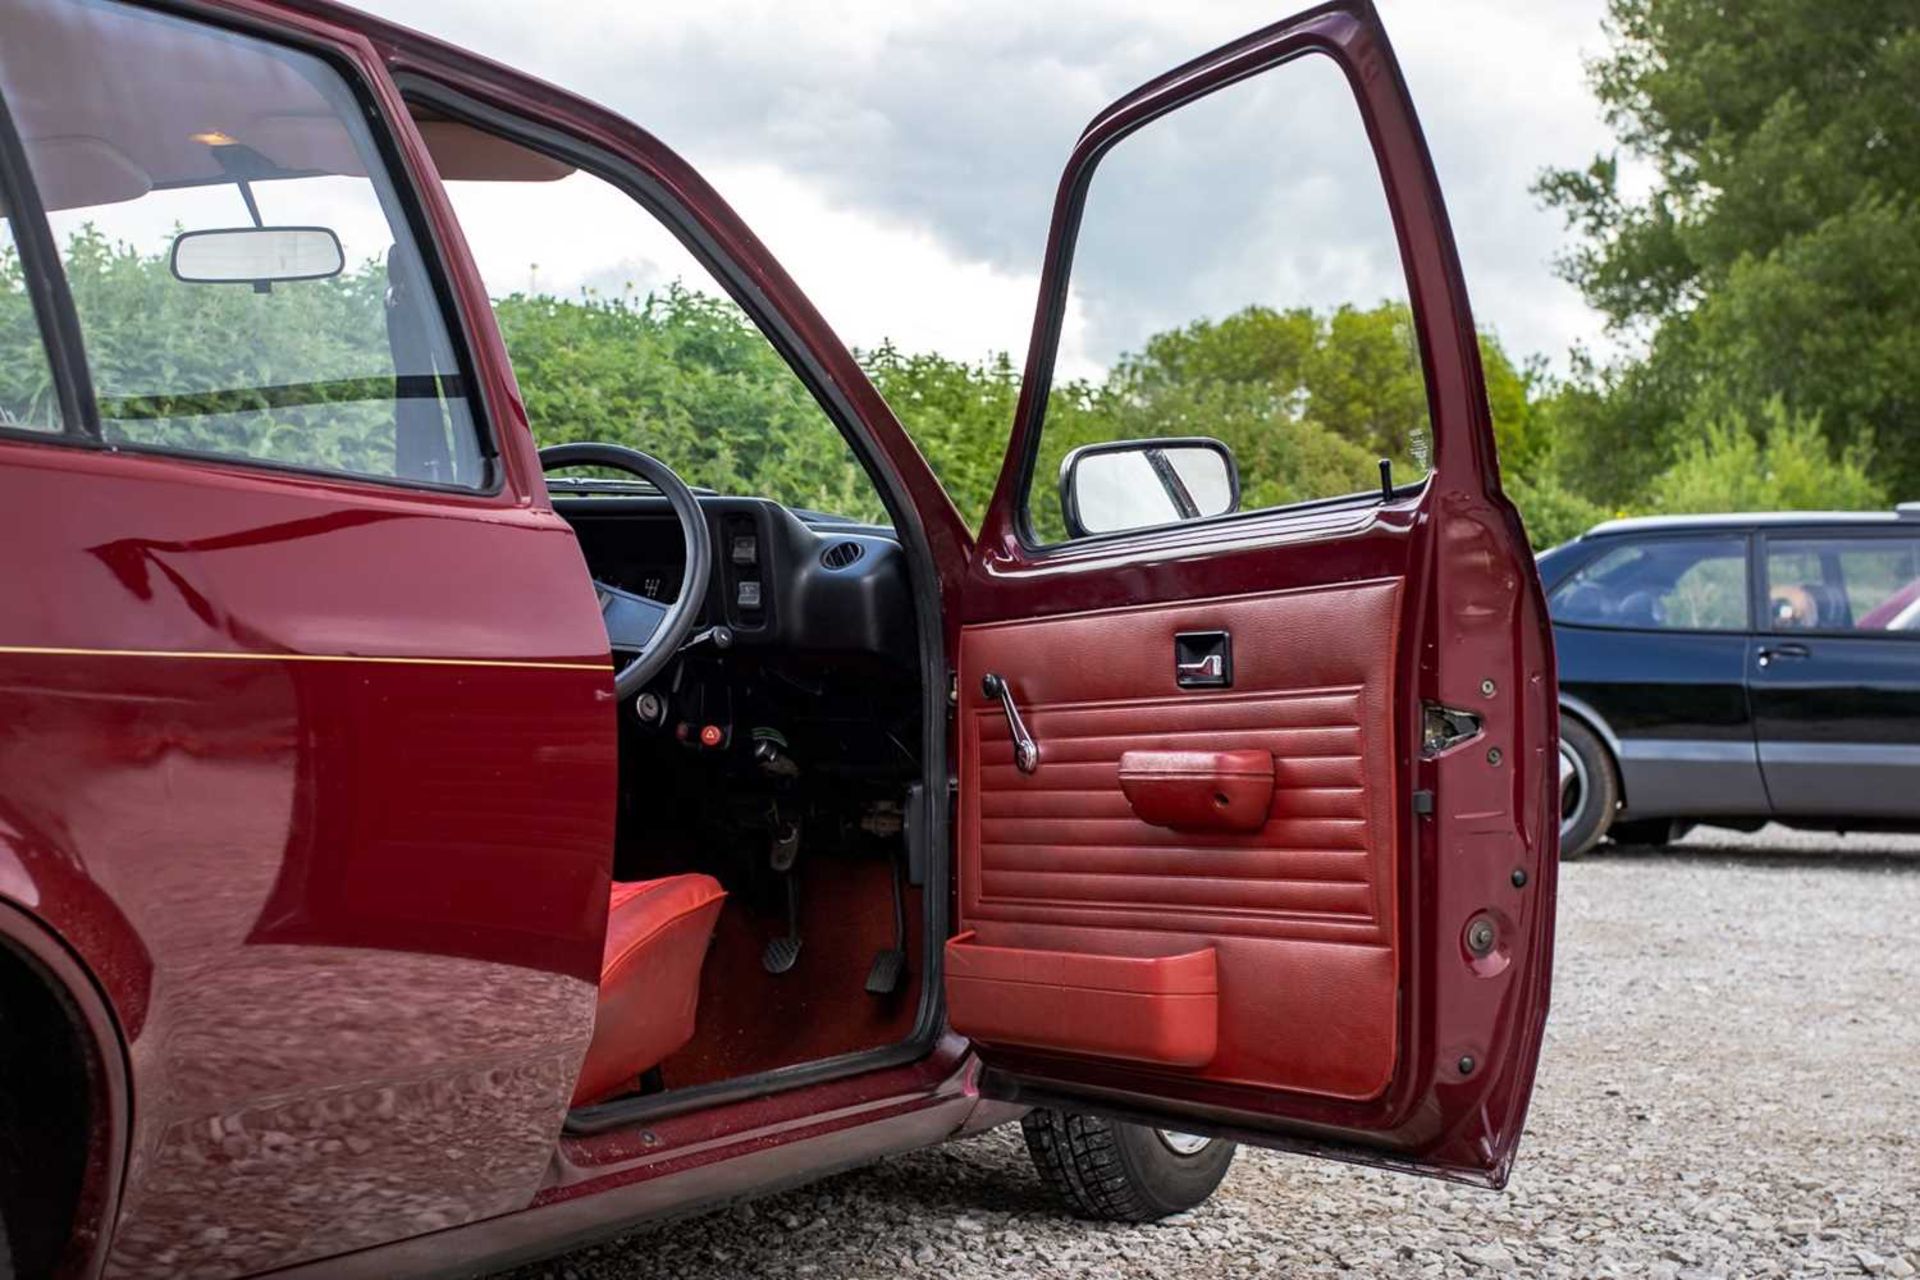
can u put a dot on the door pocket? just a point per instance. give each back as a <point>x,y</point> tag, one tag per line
<point>1159,1009</point>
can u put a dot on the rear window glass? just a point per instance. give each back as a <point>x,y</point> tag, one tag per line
<point>246,282</point>
<point>1836,584</point>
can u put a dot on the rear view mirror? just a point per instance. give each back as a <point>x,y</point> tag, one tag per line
<point>257,255</point>
<point>1135,484</point>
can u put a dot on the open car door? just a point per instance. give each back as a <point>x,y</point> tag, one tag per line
<point>1256,810</point>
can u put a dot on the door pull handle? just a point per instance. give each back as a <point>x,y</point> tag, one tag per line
<point>1026,752</point>
<point>1767,653</point>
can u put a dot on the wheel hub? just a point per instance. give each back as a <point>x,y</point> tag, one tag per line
<point>1573,787</point>
<point>1183,1144</point>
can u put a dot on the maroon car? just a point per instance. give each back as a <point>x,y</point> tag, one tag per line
<point>412,865</point>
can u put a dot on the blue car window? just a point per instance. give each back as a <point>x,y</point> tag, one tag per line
<point>1674,584</point>
<point>1844,584</point>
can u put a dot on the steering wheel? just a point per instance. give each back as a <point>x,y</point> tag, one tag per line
<point>651,631</point>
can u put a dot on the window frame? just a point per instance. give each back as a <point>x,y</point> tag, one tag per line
<point>71,370</point>
<point>53,310</point>
<point>1602,547</point>
<point>1837,533</point>
<point>1031,427</point>
<point>657,200</point>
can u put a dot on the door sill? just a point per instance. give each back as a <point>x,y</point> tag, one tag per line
<point>623,1113</point>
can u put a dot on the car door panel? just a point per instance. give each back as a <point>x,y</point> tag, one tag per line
<point>1673,706</point>
<point>1058,861</point>
<point>1836,717</point>
<point>1837,699</point>
<point>1348,1013</point>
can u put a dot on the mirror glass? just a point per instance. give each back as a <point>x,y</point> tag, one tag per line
<point>1142,483</point>
<point>249,255</point>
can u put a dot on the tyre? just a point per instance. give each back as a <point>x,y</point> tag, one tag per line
<point>1589,789</point>
<point>1121,1172</point>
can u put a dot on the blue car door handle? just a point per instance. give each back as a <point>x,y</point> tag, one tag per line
<point>1768,652</point>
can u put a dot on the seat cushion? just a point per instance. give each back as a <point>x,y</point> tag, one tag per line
<point>657,932</point>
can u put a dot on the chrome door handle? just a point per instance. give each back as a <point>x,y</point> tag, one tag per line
<point>1765,655</point>
<point>1026,752</point>
<point>1212,667</point>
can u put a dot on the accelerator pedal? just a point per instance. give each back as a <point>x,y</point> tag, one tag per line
<point>783,953</point>
<point>890,963</point>
<point>883,979</point>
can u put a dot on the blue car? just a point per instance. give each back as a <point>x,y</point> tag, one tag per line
<point>1738,669</point>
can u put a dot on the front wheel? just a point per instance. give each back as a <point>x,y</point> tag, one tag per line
<point>1122,1172</point>
<point>1589,792</point>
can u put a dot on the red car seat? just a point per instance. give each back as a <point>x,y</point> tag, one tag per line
<point>657,933</point>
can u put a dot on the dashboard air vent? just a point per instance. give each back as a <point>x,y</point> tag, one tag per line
<point>841,554</point>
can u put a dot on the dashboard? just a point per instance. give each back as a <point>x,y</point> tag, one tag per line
<point>811,585</point>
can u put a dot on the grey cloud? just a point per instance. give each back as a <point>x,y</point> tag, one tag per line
<point>960,125</point>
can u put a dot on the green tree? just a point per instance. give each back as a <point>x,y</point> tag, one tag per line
<point>685,376</point>
<point>1779,463</point>
<point>1776,252</point>
<point>958,414</point>
<point>1308,401</point>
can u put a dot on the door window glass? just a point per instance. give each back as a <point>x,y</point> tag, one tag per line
<point>1679,584</point>
<point>1237,276</point>
<point>27,398</point>
<point>246,282</point>
<point>1838,584</point>
<point>618,333</point>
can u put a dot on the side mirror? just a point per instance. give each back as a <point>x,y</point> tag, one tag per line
<point>1136,484</point>
<point>256,255</point>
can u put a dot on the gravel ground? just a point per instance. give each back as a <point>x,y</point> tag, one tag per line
<point>1728,1090</point>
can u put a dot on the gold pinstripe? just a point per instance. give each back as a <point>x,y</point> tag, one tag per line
<point>241,656</point>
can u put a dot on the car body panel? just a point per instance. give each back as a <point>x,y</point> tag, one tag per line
<point>331,842</point>
<point>338,756</point>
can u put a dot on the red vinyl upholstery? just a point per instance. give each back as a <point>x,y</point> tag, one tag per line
<point>657,933</point>
<point>1106,850</point>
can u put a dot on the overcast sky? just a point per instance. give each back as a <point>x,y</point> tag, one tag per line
<point>900,159</point>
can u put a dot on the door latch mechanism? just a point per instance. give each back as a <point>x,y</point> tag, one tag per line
<point>1444,728</point>
<point>1026,752</point>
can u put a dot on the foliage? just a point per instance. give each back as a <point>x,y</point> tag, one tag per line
<point>26,383</point>
<point>1776,255</point>
<point>686,377</point>
<point>1553,512</point>
<point>1309,401</point>
<point>1764,279</point>
<point>1782,462</point>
